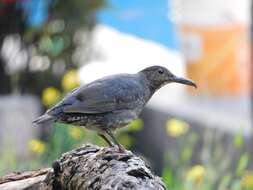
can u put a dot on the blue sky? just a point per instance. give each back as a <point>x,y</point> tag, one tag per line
<point>147,19</point>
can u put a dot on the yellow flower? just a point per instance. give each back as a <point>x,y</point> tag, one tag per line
<point>196,173</point>
<point>75,132</point>
<point>50,96</point>
<point>37,146</point>
<point>176,128</point>
<point>70,80</point>
<point>247,181</point>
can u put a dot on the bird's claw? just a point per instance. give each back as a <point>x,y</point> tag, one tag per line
<point>119,148</point>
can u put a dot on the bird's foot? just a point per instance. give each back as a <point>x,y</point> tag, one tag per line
<point>121,148</point>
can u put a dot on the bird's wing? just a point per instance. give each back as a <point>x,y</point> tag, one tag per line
<point>107,95</point>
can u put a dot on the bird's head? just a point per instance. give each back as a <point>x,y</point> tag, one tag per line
<point>158,76</point>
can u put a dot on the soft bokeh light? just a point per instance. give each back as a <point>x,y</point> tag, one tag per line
<point>37,146</point>
<point>176,128</point>
<point>70,80</point>
<point>196,173</point>
<point>50,96</point>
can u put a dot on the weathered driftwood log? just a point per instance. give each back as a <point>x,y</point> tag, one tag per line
<point>88,167</point>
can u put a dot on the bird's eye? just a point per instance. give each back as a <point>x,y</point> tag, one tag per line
<point>160,71</point>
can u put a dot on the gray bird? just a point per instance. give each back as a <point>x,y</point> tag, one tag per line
<point>110,102</point>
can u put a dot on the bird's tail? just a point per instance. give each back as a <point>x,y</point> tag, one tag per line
<point>44,118</point>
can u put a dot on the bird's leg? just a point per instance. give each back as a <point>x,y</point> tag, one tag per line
<point>105,138</point>
<point>121,148</point>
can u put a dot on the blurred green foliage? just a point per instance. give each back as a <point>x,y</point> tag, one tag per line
<point>193,161</point>
<point>63,138</point>
<point>207,161</point>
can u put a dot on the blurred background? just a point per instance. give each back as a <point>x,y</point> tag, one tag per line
<point>194,139</point>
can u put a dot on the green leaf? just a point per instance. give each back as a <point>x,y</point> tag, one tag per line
<point>167,176</point>
<point>242,164</point>
<point>225,182</point>
<point>238,140</point>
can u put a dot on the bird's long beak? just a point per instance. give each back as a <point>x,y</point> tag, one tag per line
<point>183,81</point>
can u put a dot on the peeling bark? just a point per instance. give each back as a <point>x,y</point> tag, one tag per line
<point>89,167</point>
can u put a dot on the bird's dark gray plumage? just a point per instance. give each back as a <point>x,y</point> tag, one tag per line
<point>110,102</point>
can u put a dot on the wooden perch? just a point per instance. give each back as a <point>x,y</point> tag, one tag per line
<point>88,167</point>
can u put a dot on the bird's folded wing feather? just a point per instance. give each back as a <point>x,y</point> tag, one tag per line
<point>101,97</point>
